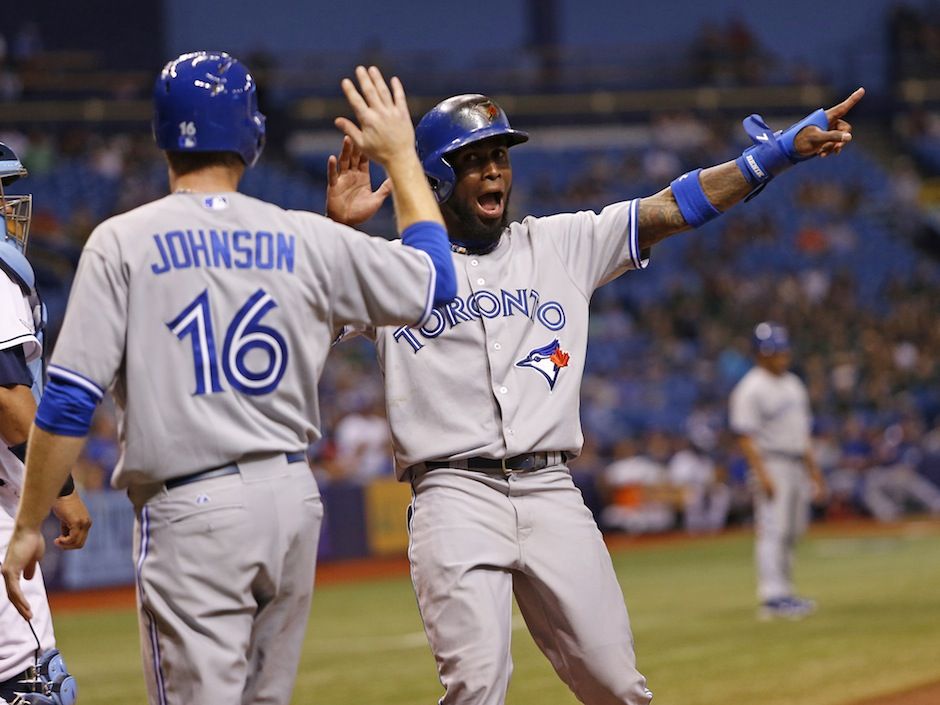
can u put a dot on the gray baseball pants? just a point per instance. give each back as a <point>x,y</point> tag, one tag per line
<point>225,571</point>
<point>779,521</point>
<point>476,540</point>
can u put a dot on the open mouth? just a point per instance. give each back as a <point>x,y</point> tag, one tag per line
<point>491,204</point>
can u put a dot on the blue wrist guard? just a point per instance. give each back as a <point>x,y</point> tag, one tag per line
<point>773,152</point>
<point>692,201</point>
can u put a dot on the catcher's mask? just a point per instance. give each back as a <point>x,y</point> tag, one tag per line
<point>15,211</point>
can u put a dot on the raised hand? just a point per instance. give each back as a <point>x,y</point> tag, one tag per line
<point>812,140</point>
<point>349,196</point>
<point>384,131</point>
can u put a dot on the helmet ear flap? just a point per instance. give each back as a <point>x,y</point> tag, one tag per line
<point>455,123</point>
<point>441,177</point>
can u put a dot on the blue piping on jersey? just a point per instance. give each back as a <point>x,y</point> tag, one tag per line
<point>431,238</point>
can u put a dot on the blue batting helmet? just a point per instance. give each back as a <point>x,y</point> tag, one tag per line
<point>770,338</point>
<point>455,123</point>
<point>206,101</point>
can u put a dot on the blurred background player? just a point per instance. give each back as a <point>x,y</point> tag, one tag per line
<point>213,329</point>
<point>24,643</point>
<point>770,413</point>
<point>495,512</point>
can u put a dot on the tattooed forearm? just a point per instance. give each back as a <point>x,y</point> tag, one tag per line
<point>724,185</point>
<point>659,215</point>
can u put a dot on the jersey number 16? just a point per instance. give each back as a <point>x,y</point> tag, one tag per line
<point>244,334</point>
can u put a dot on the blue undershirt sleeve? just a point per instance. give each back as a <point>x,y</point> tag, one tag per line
<point>66,408</point>
<point>431,238</point>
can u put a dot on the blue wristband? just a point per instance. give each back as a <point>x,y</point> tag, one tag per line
<point>431,237</point>
<point>773,152</point>
<point>693,203</point>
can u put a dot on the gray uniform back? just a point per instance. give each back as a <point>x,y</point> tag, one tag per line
<point>213,315</point>
<point>510,348</point>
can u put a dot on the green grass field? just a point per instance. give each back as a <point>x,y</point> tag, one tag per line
<point>691,603</point>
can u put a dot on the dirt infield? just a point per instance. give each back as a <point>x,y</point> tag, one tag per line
<point>393,567</point>
<point>928,694</point>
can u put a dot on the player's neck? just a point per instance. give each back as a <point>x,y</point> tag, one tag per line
<point>213,179</point>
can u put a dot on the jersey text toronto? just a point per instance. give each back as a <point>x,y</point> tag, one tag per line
<point>241,249</point>
<point>485,304</point>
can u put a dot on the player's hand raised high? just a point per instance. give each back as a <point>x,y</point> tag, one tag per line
<point>349,196</point>
<point>812,140</point>
<point>384,130</point>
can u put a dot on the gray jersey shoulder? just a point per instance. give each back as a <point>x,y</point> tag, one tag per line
<point>222,308</point>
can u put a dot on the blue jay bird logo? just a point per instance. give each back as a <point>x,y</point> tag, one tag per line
<point>547,361</point>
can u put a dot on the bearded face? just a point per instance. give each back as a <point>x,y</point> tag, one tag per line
<point>477,211</point>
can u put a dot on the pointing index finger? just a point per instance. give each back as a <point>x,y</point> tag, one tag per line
<point>837,111</point>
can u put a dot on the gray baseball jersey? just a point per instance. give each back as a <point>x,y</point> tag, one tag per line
<point>773,410</point>
<point>511,346</point>
<point>509,351</point>
<point>213,315</point>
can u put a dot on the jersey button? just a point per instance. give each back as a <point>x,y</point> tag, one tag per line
<point>497,346</point>
<point>474,262</point>
<point>481,281</point>
<point>503,390</point>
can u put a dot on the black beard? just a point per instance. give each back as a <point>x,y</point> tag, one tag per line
<point>473,233</point>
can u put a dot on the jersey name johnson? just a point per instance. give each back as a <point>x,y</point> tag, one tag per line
<point>240,249</point>
<point>484,303</point>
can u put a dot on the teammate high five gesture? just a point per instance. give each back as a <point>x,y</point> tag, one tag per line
<point>235,306</point>
<point>386,135</point>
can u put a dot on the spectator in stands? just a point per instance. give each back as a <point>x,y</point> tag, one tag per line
<point>363,443</point>
<point>705,496</point>
<point>640,498</point>
<point>894,483</point>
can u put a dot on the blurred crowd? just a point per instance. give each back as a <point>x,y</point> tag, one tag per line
<point>825,256</point>
<point>831,254</point>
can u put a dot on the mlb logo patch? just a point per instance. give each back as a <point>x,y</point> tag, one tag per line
<point>547,360</point>
<point>215,203</point>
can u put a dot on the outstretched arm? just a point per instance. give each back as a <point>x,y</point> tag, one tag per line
<point>385,134</point>
<point>724,185</point>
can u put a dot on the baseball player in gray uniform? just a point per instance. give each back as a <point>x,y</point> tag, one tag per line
<point>769,411</point>
<point>210,315</point>
<point>29,662</point>
<point>495,512</point>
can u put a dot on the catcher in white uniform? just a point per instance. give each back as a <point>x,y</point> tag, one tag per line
<point>29,662</point>
<point>210,314</point>
<point>769,411</point>
<point>495,512</point>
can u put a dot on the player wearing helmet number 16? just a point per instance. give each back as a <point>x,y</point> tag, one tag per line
<point>210,314</point>
<point>495,512</point>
